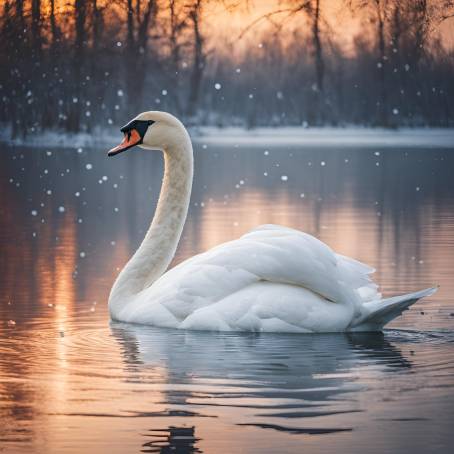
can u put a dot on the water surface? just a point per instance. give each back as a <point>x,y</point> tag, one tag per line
<point>71,381</point>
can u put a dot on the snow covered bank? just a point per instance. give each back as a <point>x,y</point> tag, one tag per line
<point>329,137</point>
<point>296,136</point>
<point>55,139</point>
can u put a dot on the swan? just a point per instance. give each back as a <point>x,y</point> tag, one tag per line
<point>272,279</point>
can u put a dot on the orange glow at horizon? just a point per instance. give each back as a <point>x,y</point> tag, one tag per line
<point>223,26</point>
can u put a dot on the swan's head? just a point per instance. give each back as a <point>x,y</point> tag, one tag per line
<point>152,130</point>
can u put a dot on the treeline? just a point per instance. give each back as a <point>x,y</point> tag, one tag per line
<point>85,63</point>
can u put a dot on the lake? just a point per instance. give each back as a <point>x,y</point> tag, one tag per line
<point>71,381</point>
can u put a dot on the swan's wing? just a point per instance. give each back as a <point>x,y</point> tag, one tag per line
<point>358,276</point>
<point>268,253</point>
<point>298,258</point>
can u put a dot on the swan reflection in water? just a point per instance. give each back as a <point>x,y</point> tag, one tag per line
<point>172,440</point>
<point>289,383</point>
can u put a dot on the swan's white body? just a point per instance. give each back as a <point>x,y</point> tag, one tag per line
<point>272,279</point>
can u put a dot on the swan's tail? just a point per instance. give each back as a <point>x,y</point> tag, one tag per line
<point>379,313</point>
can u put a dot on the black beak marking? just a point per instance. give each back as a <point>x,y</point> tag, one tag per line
<point>140,126</point>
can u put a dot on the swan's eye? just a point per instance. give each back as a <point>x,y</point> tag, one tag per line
<point>129,135</point>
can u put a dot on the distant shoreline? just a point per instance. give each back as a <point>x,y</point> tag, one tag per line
<point>262,137</point>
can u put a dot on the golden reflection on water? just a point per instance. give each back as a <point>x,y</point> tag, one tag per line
<point>227,219</point>
<point>43,375</point>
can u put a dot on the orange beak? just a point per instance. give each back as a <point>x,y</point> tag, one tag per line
<point>131,139</point>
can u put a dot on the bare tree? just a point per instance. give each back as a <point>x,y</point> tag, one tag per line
<point>80,40</point>
<point>319,63</point>
<point>311,9</point>
<point>20,15</point>
<point>55,30</point>
<point>198,62</point>
<point>139,21</point>
<point>379,12</point>
<point>36,27</point>
<point>178,22</point>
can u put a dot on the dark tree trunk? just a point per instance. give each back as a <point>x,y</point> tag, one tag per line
<point>136,58</point>
<point>9,28</point>
<point>131,51</point>
<point>20,16</point>
<point>36,27</point>
<point>97,27</point>
<point>21,84</point>
<point>421,22</point>
<point>318,104</point>
<point>55,31</point>
<point>175,26</point>
<point>198,59</point>
<point>383,96</point>
<point>142,35</point>
<point>78,66</point>
<point>319,63</point>
<point>50,108</point>
<point>130,26</point>
<point>96,61</point>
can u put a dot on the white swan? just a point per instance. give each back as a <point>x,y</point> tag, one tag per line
<point>273,279</point>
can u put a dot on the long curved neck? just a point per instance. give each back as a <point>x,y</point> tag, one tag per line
<point>159,245</point>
